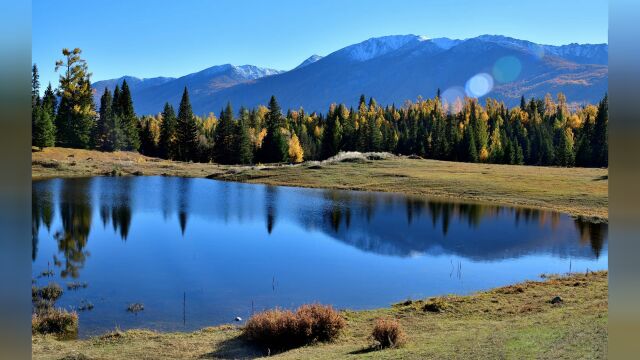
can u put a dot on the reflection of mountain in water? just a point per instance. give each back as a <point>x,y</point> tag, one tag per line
<point>379,223</point>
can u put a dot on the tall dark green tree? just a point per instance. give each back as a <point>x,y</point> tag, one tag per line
<point>109,135</point>
<point>274,146</point>
<point>128,119</point>
<point>167,142</point>
<point>35,102</point>
<point>243,152</point>
<point>332,134</point>
<point>600,145</point>
<point>186,130</point>
<point>224,141</point>
<point>49,101</point>
<point>76,114</point>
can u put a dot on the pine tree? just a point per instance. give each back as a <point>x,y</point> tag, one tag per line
<point>148,145</point>
<point>103,135</point>
<point>75,118</point>
<point>50,102</point>
<point>224,142</point>
<point>168,135</point>
<point>332,134</point>
<point>129,120</point>
<point>186,130</point>
<point>600,145</point>
<point>584,153</point>
<point>44,132</point>
<point>274,146</point>
<point>35,102</point>
<point>243,152</point>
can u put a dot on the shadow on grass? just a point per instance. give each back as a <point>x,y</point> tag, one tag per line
<point>234,348</point>
<point>364,350</point>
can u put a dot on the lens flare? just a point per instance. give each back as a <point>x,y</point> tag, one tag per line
<point>507,69</point>
<point>452,94</point>
<point>479,85</point>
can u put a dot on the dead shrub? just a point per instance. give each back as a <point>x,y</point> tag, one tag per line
<point>388,333</point>
<point>279,330</point>
<point>55,321</point>
<point>319,323</point>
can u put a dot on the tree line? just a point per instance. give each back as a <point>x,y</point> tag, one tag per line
<point>543,131</point>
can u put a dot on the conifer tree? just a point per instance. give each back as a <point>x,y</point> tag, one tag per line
<point>243,152</point>
<point>186,130</point>
<point>600,146</point>
<point>75,117</point>
<point>129,120</point>
<point>274,146</point>
<point>108,136</point>
<point>167,140</point>
<point>50,102</point>
<point>224,142</point>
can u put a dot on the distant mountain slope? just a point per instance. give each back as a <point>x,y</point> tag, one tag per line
<point>150,95</point>
<point>394,69</point>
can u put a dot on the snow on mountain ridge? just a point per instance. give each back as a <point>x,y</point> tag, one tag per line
<point>375,47</point>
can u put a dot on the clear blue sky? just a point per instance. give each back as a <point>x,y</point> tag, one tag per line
<point>174,38</point>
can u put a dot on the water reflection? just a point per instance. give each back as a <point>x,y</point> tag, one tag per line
<point>227,246</point>
<point>379,223</point>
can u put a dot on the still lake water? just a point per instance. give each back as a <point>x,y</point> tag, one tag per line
<point>200,252</point>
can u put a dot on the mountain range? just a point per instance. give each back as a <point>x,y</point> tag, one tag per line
<point>391,69</point>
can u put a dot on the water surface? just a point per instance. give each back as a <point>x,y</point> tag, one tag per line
<point>200,252</point>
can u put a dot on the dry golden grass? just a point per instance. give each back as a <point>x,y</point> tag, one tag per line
<point>515,322</point>
<point>576,191</point>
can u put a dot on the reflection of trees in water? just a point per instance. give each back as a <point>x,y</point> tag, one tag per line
<point>184,186</point>
<point>270,201</point>
<point>593,234</point>
<point>341,204</point>
<point>41,214</point>
<point>75,214</point>
<point>115,206</point>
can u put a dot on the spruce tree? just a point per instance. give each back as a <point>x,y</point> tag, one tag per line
<point>129,120</point>
<point>167,142</point>
<point>600,146</point>
<point>274,146</point>
<point>224,142</point>
<point>186,131</point>
<point>243,152</point>
<point>49,101</point>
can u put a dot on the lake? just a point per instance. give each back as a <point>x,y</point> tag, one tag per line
<point>199,252</point>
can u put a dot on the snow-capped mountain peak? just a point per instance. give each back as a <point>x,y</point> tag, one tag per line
<point>375,47</point>
<point>310,60</point>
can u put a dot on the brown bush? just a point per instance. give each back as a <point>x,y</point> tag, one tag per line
<point>319,323</point>
<point>55,321</point>
<point>279,330</point>
<point>388,333</point>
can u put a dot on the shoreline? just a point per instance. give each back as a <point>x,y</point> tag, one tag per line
<point>515,320</point>
<point>578,192</point>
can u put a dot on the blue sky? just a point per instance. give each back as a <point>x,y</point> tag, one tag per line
<point>174,38</point>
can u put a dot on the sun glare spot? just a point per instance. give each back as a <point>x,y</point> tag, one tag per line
<point>479,85</point>
<point>507,69</point>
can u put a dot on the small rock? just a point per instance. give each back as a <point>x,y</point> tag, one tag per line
<point>556,300</point>
<point>238,318</point>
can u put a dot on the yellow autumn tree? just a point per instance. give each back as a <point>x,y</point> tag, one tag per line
<point>296,154</point>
